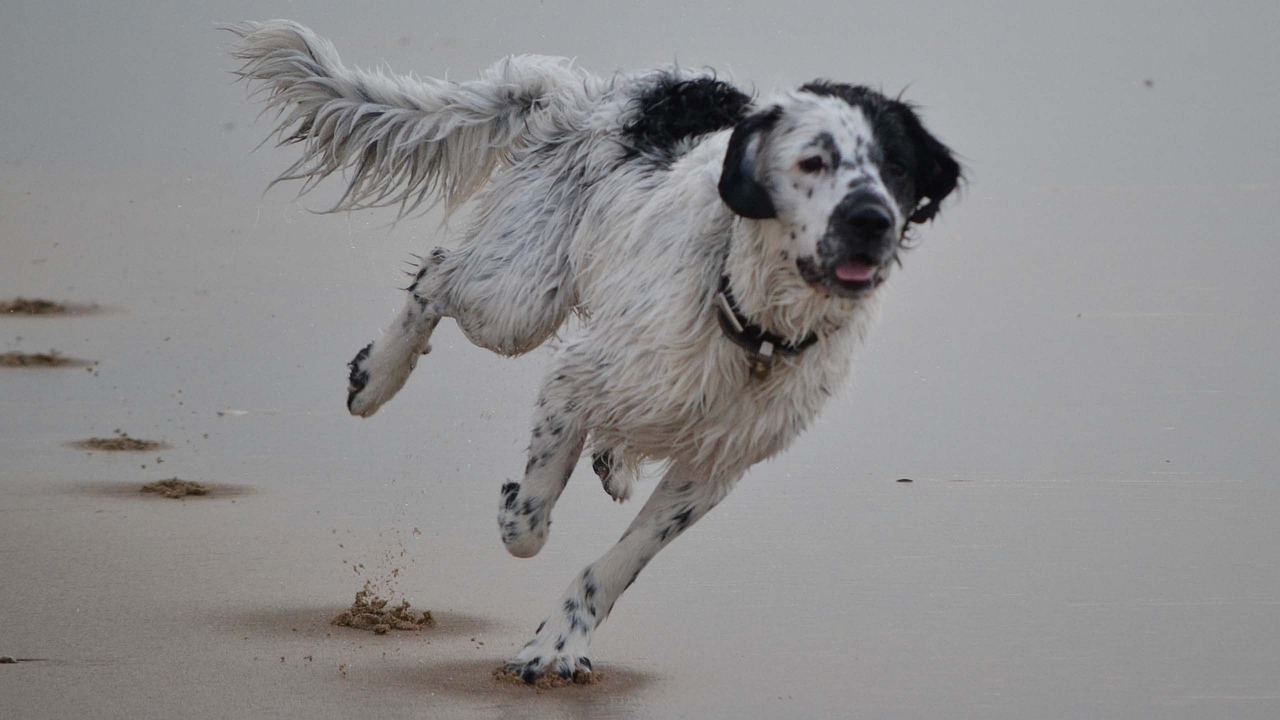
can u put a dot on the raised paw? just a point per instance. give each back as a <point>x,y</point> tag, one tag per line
<point>524,523</point>
<point>359,377</point>
<point>377,374</point>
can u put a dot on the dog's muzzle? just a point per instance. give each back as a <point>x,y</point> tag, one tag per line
<point>855,252</point>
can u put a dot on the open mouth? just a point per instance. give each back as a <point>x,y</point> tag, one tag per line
<point>848,278</point>
<point>851,277</point>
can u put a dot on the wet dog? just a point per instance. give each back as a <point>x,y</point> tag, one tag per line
<point>724,255</point>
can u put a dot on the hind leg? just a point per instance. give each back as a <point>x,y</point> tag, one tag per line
<point>508,290</point>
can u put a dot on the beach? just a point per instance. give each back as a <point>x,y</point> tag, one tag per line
<point>1075,369</point>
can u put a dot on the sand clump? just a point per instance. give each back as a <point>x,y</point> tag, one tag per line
<point>175,488</point>
<point>37,306</point>
<point>370,612</point>
<point>24,306</point>
<point>50,359</point>
<point>120,443</point>
<point>548,681</point>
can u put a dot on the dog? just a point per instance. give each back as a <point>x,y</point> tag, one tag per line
<point>724,255</point>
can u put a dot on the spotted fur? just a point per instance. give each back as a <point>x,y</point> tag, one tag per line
<point>624,200</point>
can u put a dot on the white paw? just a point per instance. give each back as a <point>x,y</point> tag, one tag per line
<point>524,524</point>
<point>377,374</point>
<point>557,652</point>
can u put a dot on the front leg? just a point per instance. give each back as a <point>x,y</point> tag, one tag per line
<point>524,511</point>
<point>559,647</point>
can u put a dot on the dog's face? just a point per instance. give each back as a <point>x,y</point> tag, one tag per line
<point>843,169</point>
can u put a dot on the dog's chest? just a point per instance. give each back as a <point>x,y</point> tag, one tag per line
<point>778,404</point>
<point>744,419</point>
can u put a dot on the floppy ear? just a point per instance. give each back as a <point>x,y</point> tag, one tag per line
<point>936,172</point>
<point>739,188</point>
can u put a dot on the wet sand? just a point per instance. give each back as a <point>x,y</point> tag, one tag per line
<point>1076,369</point>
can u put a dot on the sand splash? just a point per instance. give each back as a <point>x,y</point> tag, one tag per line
<point>370,612</point>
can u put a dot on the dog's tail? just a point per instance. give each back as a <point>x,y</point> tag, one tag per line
<point>399,139</point>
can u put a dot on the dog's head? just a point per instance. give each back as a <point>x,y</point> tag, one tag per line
<point>844,170</point>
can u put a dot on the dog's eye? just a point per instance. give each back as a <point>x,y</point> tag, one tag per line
<point>896,169</point>
<point>812,164</point>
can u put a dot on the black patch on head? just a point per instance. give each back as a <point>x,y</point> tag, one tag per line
<point>672,110</point>
<point>827,145</point>
<point>931,170</point>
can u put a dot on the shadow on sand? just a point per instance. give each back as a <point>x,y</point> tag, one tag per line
<point>313,622</point>
<point>473,681</point>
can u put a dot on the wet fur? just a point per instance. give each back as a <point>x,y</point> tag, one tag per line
<point>624,200</point>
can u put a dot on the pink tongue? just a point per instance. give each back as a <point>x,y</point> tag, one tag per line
<point>854,272</point>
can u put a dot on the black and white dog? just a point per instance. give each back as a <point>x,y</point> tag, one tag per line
<point>723,253</point>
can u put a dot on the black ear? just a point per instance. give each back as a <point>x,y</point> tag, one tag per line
<point>739,188</point>
<point>936,171</point>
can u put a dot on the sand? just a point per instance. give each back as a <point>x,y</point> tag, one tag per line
<point>39,307</point>
<point>1076,366</point>
<point>120,443</point>
<point>50,359</point>
<point>175,488</point>
<point>549,681</point>
<point>24,306</point>
<point>371,612</point>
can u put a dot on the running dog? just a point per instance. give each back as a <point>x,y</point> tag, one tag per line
<point>724,255</point>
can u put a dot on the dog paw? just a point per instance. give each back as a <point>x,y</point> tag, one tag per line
<point>376,376</point>
<point>524,523</point>
<point>555,672</point>
<point>551,659</point>
<point>359,403</point>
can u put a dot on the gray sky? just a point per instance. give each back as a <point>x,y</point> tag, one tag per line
<point>1029,93</point>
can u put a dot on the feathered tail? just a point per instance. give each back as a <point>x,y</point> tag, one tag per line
<point>400,139</point>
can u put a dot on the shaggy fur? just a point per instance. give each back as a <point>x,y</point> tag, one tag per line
<point>625,200</point>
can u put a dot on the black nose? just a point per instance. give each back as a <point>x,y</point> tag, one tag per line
<point>868,220</point>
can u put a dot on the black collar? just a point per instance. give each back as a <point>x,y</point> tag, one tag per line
<point>763,345</point>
